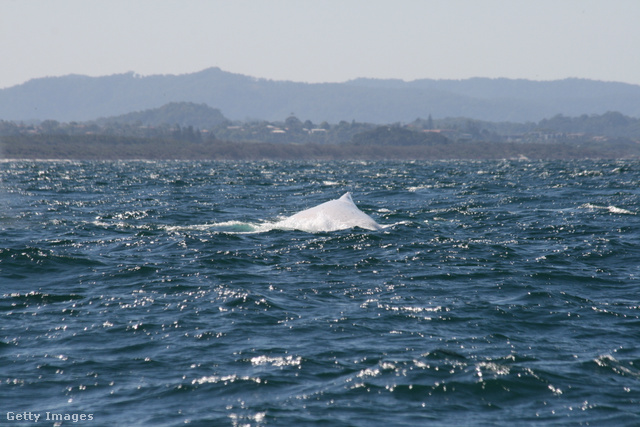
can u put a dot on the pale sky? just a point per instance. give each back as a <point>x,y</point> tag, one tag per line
<point>323,40</point>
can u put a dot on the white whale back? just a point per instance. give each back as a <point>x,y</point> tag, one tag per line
<point>339,214</point>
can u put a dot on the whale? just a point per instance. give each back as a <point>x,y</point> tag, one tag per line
<point>334,215</point>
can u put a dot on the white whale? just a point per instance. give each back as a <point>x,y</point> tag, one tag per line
<point>339,214</point>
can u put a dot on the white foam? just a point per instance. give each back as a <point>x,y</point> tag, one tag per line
<point>276,361</point>
<point>610,208</point>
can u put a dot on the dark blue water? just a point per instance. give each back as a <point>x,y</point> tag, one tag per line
<point>160,293</point>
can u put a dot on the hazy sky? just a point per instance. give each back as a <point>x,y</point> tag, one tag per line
<point>323,40</point>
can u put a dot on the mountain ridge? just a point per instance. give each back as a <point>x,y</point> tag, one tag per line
<point>240,97</point>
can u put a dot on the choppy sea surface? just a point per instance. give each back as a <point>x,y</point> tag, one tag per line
<point>162,293</point>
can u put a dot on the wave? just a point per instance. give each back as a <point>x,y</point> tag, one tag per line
<point>610,208</point>
<point>239,227</point>
<point>247,227</point>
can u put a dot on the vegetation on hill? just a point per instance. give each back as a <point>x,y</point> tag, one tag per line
<point>181,114</point>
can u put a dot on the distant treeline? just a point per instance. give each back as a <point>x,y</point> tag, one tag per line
<point>171,132</point>
<point>106,147</point>
<point>199,122</point>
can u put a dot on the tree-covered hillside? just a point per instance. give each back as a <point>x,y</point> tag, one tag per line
<point>182,114</point>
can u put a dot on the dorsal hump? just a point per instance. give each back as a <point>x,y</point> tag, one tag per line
<point>347,198</point>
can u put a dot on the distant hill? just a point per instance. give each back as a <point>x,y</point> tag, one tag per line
<point>199,116</point>
<point>240,97</point>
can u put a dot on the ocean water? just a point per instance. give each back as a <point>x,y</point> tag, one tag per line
<point>163,293</point>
